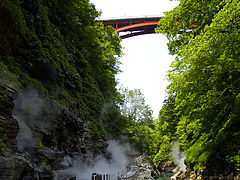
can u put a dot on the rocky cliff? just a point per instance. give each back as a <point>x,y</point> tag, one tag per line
<point>37,133</point>
<point>57,70</point>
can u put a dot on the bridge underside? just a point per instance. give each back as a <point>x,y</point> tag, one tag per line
<point>133,26</point>
<point>136,33</point>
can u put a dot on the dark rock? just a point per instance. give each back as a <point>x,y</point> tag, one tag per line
<point>8,125</point>
<point>55,130</point>
<point>167,166</point>
<point>15,167</point>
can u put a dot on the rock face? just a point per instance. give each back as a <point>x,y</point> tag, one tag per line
<point>8,126</point>
<point>15,167</point>
<point>167,167</point>
<point>12,164</point>
<point>38,133</point>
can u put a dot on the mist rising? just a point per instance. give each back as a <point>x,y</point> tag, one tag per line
<point>114,162</point>
<point>178,157</point>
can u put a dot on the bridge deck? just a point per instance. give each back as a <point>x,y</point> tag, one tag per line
<point>124,22</point>
<point>133,26</point>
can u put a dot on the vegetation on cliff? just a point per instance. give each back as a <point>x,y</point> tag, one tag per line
<point>60,49</point>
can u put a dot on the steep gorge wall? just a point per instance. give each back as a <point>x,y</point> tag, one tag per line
<point>57,68</point>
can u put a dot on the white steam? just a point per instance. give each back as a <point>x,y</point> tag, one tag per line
<point>115,163</point>
<point>27,107</point>
<point>29,111</point>
<point>178,157</point>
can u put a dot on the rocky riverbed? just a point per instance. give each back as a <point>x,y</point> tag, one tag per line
<point>139,168</point>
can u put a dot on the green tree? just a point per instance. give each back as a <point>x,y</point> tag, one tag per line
<point>205,80</point>
<point>139,118</point>
<point>134,107</point>
<point>188,20</point>
<point>165,128</point>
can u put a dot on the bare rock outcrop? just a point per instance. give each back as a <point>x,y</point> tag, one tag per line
<point>33,145</point>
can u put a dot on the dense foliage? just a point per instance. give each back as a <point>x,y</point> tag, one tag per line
<point>59,48</point>
<point>203,106</point>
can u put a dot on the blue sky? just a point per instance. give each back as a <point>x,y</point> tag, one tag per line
<point>146,59</point>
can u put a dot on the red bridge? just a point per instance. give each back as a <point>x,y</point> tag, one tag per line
<point>128,27</point>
